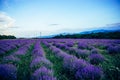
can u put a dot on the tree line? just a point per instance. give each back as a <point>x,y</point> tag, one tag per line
<point>7,37</point>
<point>99,35</point>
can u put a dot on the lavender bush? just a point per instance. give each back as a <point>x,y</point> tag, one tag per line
<point>40,61</point>
<point>43,74</point>
<point>113,49</point>
<point>8,72</point>
<point>37,51</point>
<point>94,51</point>
<point>10,58</point>
<point>82,53</point>
<point>82,45</point>
<point>90,72</point>
<point>96,58</point>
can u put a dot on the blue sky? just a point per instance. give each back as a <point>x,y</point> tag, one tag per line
<point>27,18</point>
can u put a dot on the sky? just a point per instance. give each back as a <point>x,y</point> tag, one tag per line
<point>29,18</point>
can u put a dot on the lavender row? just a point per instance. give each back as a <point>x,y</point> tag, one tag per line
<point>7,45</point>
<point>93,56</point>
<point>112,46</point>
<point>40,66</point>
<point>21,51</point>
<point>8,70</point>
<point>78,67</point>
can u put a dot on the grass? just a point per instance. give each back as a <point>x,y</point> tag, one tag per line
<point>8,53</point>
<point>59,71</point>
<point>23,66</point>
<point>111,66</point>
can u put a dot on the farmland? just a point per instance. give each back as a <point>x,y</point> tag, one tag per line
<point>60,59</point>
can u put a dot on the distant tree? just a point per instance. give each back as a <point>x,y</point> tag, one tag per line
<point>7,37</point>
<point>99,35</point>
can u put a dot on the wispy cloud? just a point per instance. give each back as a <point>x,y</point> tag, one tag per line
<point>14,27</point>
<point>114,24</point>
<point>54,24</point>
<point>6,22</point>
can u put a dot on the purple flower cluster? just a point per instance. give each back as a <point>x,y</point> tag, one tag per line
<point>68,61</point>
<point>113,49</point>
<point>7,45</point>
<point>70,44</point>
<point>72,64</point>
<point>10,58</point>
<point>37,51</point>
<point>94,51</point>
<point>46,43</point>
<point>43,74</point>
<point>72,50</point>
<point>40,61</point>
<point>22,50</point>
<point>82,45</point>
<point>8,72</point>
<point>58,52</point>
<point>2,52</point>
<point>78,52</point>
<point>96,58</point>
<point>89,72</point>
<point>82,53</point>
<point>60,45</point>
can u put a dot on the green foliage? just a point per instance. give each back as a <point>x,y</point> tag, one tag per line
<point>59,72</point>
<point>99,35</point>
<point>7,53</point>
<point>111,67</point>
<point>7,37</point>
<point>23,66</point>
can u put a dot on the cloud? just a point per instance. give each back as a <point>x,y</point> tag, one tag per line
<point>114,24</point>
<point>54,24</point>
<point>14,27</point>
<point>6,21</point>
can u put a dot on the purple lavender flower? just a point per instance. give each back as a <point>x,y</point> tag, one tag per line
<point>55,50</point>
<point>2,52</point>
<point>68,61</point>
<point>43,74</point>
<point>90,72</point>
<point>8,72</point>
<point>38,51</point>
<point>78,64</point>
<point>94,51</point>
<point>40,61</point>
<point>113,49</point>
<point>82,53</point>
<point>10,58</point>
<point>70,44</point>
<point>61,55</point>
<point>96,58</point>
<point>6,47</point>
<point>61,46</point>
<point>82,45</point>
<point>66,48</point>
<point>21,51</point>
<point>71,50</point>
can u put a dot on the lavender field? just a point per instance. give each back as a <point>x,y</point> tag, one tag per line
<point>60,59</point>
